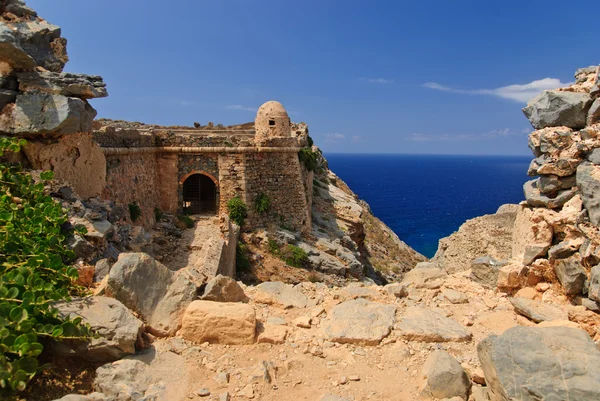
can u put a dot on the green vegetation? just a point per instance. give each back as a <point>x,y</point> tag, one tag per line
<point>237,210</point>
<point>242,263</point>
<point>308,158</point>
<point>262,203</point>
<point>134,212</point>
<point>292,255</point>
<point>187,220</point>
<point>228,144</point>
<point>33,273</point>
<point>310,141</point>
<point>158,214</point>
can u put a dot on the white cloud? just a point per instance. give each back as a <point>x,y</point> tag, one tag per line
<point>493,134</point>
<point>334,137</point>
<point>518,93</point>
<point>186,103</point>
<point>240,107</point>
<point>382,81</point>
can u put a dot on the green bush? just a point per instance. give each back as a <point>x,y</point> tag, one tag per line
<point>134,212</point>
<point>262,203</point>
<point>294,256</point>
<point>33,273</point>
<point>158,214</point>
<point>237,210</point>
<point>310,141</point>
<point>273,247</point>
<point>308,158</point>
<point>187,220</point>
<point>242,263</point>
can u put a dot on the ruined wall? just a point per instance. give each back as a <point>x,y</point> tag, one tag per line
<point>132,179</point>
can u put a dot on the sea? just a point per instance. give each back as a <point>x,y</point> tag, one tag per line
<point>424,198</point>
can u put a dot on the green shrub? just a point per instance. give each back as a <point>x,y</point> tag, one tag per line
<point>310,141</point>
<point>262,203</point>
<point>134,212</point>
<point>308,158</point>
<point>187,220</point>
<point>273,247</point>
<point>158,214</point>
<point>294,256</point>
<point>33,273</point>
<point>242,263</point>
<point>228,144</point>
<point>237,210</point>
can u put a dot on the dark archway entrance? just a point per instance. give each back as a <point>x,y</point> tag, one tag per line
<point>199,195</point>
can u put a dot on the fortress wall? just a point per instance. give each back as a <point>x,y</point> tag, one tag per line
<point>133,179</point>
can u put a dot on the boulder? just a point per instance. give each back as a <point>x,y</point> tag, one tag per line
<point>553,108</point>
<point>271,334</point>
<point>425,275</point>
<point>223,289</point>
<point>359,322</point>
<point>533,363</point>
<point>64,83</point>
<point>7,96</point>
<point>396,289</point>
<point>594,156</point>
<point>594,284</point>
<point>571,274</point>
<point>454,297</point>
<point>278,293</point>
<point>101,270</point>
<point>219,323</point>
<point>588,182</point>
<point>117,327</point>
<point>536,310</point>
<point>420,324</point>
<point>532,236</point>
<point>444,377</point>
<point>148,288</point>
<point>593,116</point>
<point>551,184</point>
<point>485,269</point>
<point>43,114</point>
<point>26,44</point>
<point>564,249</point>
<point>536,198</point>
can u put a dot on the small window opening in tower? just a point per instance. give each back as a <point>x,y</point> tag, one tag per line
<point>271,122</point>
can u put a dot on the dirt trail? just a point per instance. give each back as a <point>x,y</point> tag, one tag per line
<point>192,251</point>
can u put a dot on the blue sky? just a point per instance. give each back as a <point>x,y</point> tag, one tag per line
<point>367,76</point>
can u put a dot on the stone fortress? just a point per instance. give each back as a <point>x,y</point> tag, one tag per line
<point>197,171</point>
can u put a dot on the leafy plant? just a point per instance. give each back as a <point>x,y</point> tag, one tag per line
<point>187,220</point>
<point>158,214</point>
<point>262,203</point>
<point>134,212</point>
<point>308,158</point>
<point>242,263</point>
<point>33,273</point>
<point>310,141</point>
<point>228,144</point>
<point>294,256</point>
<point>237,210</point>
<point>273,247</point>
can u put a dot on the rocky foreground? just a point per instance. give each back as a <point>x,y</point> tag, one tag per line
<point>432,336</point>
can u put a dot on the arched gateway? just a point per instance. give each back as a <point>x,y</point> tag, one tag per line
<point>199,194</point>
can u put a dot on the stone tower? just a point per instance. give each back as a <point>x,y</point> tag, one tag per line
<point>272,121</point>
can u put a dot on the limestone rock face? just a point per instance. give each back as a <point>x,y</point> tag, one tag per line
<point>536,310</point>
<point>594,284</point>
<point>223,289</point>
<point>588,182</point>
<point>27,44</point>
<point>485,270</point>
<point>532,364</point>
<point>532,236</point>
<point>536,198</point>
<point>276,292</point>
<point>44,113</point>
<point>489,235</point>
<point>150,289</point>
<point>444,376</point>
<point>76,159</point>
<point>359,322</point>
<point>425,275</point>
<point>110,319</point>
<point>420,324</point>
<point>64,83</point>
<point>554,108</point>
<point>219,323</point>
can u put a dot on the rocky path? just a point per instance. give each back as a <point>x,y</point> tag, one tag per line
<point>192,251</point>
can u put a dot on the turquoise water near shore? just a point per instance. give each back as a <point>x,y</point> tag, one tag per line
<point>427,197</point>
